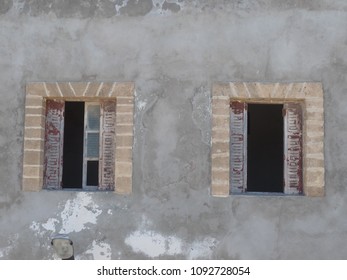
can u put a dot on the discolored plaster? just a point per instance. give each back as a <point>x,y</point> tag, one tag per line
<point>171,6</point>
<point>5,6</point>
<point>135,7</point>
<point>173,58</point>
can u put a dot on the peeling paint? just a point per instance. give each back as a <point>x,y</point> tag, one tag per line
<point>99,251</point>
<point>202,249</point>
<point>141,105</point>
<point>50,225</point>
<point>79,212</point>
<point>154,244</point>
<point>6,250</point>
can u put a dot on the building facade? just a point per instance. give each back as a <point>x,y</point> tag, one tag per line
<point>166,79</point>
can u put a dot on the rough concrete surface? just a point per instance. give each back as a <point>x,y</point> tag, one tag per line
<point>173,51</point>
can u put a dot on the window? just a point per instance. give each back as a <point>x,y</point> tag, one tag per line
<point>78,136</point>
<point>267,138</point>
<point>266,147</point>
<point>73,156</point>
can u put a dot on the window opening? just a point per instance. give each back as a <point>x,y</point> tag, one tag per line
<point>92,172</point>
<point>73,145</point>
<point>44,136</point>
<point>265,148</point>
<point>78,124</point>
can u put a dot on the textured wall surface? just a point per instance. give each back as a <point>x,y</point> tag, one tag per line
<point>173,51</point>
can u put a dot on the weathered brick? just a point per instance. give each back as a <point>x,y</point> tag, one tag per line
<point>312,162</point>
<point>220,175</point>
<point>238,90</point>
<point>127,108</point>
<point>123,155</point>
<point>313,90</point>
<point>220,89</point>
<point>34,133</point>
<point>314,148</point>
<point>124,89</point>
<point>220,103</point>
<point>124,169</point>
<point>219,190</point>
<point>36,89</point>
<point>219,161</point>
<point>52,90</point>
<point>296,91</point>
<point>92,89</point>
<point>32,158</point>
<point>79,88</point>
<point>220,147</point>
<point>34,111</point>
<point>105,90</point>
<point>315,191</point>
<point>220,135</point>
<point>65,89</point>
<point>314,178</point>
<point>281,90</point>
<point>314,103</point>
<point>125,100</point>
<point>32,171</point>
<point>33,101</point>
<point>124,141</point>
<point>125,118</point>
<point>124,129</point>
<point>220,121</point>
<point>255,90</point>
<point>225,110</point>
<point>34,121</point>
<point>314,110</point>
<point>33,144</point>
<point>318,116</point>
<point>123,185</point>
<point>32,184</point>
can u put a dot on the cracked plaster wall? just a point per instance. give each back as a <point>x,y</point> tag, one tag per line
<point>173,51</point>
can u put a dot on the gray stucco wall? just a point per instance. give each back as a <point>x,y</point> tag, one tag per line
<point>173,51</point>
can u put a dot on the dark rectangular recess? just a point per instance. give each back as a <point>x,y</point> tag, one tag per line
<point>73,145</point>
<point>92,173</point>
<point>265,148</point>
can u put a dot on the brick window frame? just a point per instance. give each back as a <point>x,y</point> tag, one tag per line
<point>310,95</point>
<point>34,126</point>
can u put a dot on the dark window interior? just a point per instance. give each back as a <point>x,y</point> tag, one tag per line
<point>265,148</point>
<point>73,145</point>
<point>92,172</point>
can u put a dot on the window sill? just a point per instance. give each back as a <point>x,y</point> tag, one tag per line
<point>266,194</point>
<point>77,190</point>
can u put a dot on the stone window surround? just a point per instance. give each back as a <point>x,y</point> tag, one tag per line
<point>36,96</point>
<point>309,94</point>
